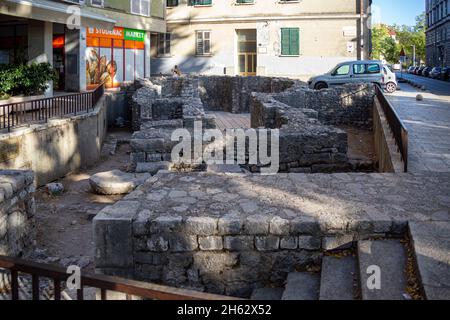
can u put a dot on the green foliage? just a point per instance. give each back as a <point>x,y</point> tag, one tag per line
<point>407,37</point>
<point>25,79</point>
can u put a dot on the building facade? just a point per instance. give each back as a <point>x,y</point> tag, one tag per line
<point>253,37</point>
<point>88,42</point>
<point>438,32</point>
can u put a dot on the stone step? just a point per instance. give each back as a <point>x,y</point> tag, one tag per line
<point>338,278</point>
<point>431,244</point>
<point>224,168</point>
<point>152,167</point>
<point>267,294</point>
<point>389,258</point>
<point>302,286</point>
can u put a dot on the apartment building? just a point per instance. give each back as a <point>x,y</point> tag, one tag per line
<point>296,38</point>
<point>438,32</point>
<point>87,41</point>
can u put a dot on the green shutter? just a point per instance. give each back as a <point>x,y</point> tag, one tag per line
<point>295,38</point>
<point>285,42</point>
<point>290,41</point>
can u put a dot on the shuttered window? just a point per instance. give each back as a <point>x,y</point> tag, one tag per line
<point>290,41</point>
<point>203,45</point>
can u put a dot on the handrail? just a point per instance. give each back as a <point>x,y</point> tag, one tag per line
<point>398,128</point>
<point>29,112</point>
<point>103,282</point>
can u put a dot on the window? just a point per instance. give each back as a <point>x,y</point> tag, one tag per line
<point>203,43</point>
<point>342,70</point>
<point>172,3</point>
<point>290,41</point>
<point>164,43</point>
<point>97,3</point>
<point>359,69</point>
<point>373,68</point>
<point>200,2</point>
<point>140,7</point>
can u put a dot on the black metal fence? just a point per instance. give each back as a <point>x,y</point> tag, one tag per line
<point>397,126</point>
<point>18,114</point>
<point>105,283</point>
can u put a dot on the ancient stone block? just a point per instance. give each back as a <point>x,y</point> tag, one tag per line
<point>279,226</point>
<point>309,243</point>
<point>210,243</point>
<point>238,243</point>
<point>202,226</point>
<point>289,243</point>
<point>182,243</point>
<point>230,225</point>
<point>257,224</point>
<point>267,243</point>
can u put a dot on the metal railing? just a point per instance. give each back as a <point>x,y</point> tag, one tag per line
<point>104,283</point>
<point>18,114</point>
<point>396,125</point>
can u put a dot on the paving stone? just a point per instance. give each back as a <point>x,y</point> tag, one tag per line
<point>390,257</point>
<point>338,278</point>
<point>302,286</point>
<point>431,244</point>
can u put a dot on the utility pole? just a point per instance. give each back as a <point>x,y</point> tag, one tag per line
<point>414,54</point>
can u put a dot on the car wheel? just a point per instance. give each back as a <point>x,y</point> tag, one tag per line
<point>321,86</point>
<point>391,87</point>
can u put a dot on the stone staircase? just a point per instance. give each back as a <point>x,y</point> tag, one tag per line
<point>345,276</point>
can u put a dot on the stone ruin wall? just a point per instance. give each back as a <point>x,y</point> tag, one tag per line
<point>17,210</point>
<point>309,142</point>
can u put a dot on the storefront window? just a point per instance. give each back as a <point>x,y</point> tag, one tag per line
<point>114,57</point>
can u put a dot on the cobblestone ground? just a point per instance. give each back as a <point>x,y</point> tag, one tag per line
<point>428,123</point>
<point>335,200</point>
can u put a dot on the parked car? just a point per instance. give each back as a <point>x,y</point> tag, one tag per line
<point>397,67</point>
<point>426,71</point>
<point>371,71</point>
<point>420,70</point>
<point>445,74</point>
<point>435,73</point>
<point>411,69</point>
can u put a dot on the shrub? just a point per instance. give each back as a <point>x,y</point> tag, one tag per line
<point>25,79</point>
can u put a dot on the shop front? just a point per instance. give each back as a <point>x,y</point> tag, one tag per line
<point>115,56</point>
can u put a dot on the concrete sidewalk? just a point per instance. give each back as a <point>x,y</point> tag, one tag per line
<point>428,123</point>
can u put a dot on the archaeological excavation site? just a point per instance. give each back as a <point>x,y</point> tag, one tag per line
<point>110,190</point>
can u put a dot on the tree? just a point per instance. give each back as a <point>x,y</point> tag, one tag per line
<point>385,47</point>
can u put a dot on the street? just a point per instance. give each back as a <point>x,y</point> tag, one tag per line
<point>428,124</point>
<point>434,86</point>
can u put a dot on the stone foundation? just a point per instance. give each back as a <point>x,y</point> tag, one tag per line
<point>17,209</point>
<point>230,233</point>
<point>308,141</point>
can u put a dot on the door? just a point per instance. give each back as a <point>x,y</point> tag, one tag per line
<point>341,75</point>
<point>367,72</point>
<point>247,56</point>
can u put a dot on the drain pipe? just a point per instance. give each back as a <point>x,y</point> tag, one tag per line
<point>361,40</point>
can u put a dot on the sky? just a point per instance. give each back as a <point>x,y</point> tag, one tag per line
<point>397,11</point>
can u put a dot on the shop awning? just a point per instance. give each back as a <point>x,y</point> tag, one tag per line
<point>53,11</point>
